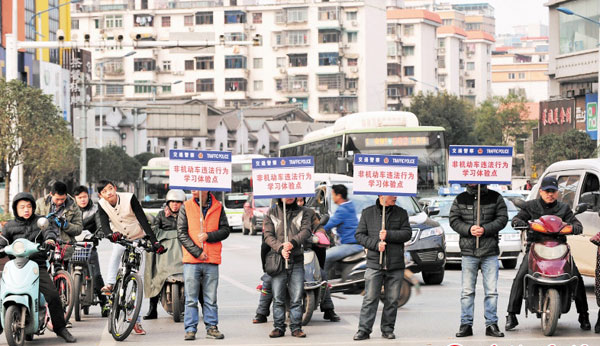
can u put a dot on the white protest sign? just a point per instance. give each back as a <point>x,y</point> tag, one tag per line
<point>200,170</point>
<point>385,175</point>
<point>280,177</point>
<point>472,164</point>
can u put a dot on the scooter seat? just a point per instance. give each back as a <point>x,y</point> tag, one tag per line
<point>354,258</point>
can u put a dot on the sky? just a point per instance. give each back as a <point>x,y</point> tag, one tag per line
<point>514,12</point>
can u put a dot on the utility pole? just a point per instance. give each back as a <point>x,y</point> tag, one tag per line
<point>134,112</point>
<point>83,129</point>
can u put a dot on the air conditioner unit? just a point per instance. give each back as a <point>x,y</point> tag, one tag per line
<point>178,73</point>
<point>354,23</point>
<point>442,50</point>
<point>322,87</point>
<point>470,91</point>
<point>282,70</point>
<point>346,45</point>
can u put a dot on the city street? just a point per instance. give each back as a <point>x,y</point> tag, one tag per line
<point>431,318</point>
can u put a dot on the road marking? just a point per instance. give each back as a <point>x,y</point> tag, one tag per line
<point>238,284</point>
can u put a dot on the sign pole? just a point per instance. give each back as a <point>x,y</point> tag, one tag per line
<point>382,228</point>
<point>285,232</point>
<point>478,212</point>
<point>201,220</point>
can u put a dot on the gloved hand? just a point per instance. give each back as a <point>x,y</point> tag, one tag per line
<point>62,223</point>
<point>158,248</point>
<point>116,236</point>
<point>519,223</point>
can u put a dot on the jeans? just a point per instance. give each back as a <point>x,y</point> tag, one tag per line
<point>374,280</point>
<point>198,276</point>
<point>115,262</point>
<point>489,271</point>
<point>266,297</point>
<point>292,281</point>
<point>338,252</point>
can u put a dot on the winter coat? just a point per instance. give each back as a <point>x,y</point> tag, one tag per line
<point>345,220</point>
<point>28,229</point>
<point>398,232</point>
<point>71,213</point>
<point>299,229</point>
<point>493,218</point>
<point>88,215</point>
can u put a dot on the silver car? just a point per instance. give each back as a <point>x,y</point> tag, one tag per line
<point>510,239</point>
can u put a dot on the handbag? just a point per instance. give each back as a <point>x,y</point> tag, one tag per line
<point>273,263</point>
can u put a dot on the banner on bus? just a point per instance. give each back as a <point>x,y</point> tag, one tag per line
<point>385,175</point>
<point>474,164</point>
<point>199,170</point>
<point>280,177</point>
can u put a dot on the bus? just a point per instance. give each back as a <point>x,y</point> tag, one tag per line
<point>153,186</point>
<point>385,133</point>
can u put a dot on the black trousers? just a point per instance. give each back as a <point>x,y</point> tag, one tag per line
<point>50,293</point>
<point>517,290</point>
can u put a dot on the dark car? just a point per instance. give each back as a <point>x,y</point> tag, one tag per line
<point>427,244</point>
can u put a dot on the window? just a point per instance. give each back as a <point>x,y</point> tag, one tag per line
<point>298,60</point>
<point>409,71</point>
<point>115,21</point>
<point>441,43</point>
<point>511,76</point>
<point>205,63</point>
<point>441,61</point>
<point>166,65</point>
<point>576,33</point>
<point>258,63</point>
<point>189,65</point>
<point>328,59</point>
<point>297,37</point>
<point>392,49</point>
<point>393,69</point>
<point>352,61</point>
<point>144,64</point>
<point>409,29</point>
<point>470,83</point>
<point>351,15</point>
<point>521,75</point>
<point>189,87</point>
<point>166,89</point>
<point>328,13</point>
<point>97,23</point>
<point>447,22</point>
<point>140,88</point>
<point>392,92</point>
<point>296,15</point>
<point>235,84</point>
<point>114,90</point>
<point>352,37</point>
<point>188,21</point>
<point>257,18</point>
<point>235,17</point>
<point>165,21</point>
<point>470,66</point>
<point>281,62</point>
<point>204,18</point>
<point>330,81</point>
<point>75,24</point>
<point>141,20</point>
<point>234,36</point>
<point>235,61</point>
<point>567,187</point>
<point>280,17</point>
<point>329,36</point>
<point>391,29</point>
<point>351,83</point>
<point>205,85</point>
<point>408,91</point>
<point>408,50</point>
<point>333,105</point>
<point>258,85</point>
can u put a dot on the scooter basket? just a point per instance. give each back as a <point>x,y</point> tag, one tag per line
<point>81,254</point>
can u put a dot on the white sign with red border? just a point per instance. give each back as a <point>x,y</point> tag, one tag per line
<point>200,170</point>
<point>474,164</point>
<point>280,177</point>
<point>390,175</point>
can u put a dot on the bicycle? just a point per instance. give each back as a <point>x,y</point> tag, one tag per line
<point>62,279</point>
<point>125,300</point>
<point>84,280</point>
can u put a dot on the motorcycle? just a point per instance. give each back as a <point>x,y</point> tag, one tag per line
<point>24,310</point>
<point>550,284</point>
<point>314,286</point>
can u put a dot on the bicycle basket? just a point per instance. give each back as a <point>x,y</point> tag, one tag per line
<point>81,254</point>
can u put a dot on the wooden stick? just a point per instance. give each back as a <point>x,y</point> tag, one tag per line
<point>478,212</point>
<point>382,228</point>
<point>201,220</point>
<point>285,234</point>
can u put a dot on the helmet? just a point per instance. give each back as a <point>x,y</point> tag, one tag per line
<point>176,196</point>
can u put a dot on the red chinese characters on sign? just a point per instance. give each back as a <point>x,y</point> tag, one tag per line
<point>285,180</point>
<point>556,116</point>
<point>480,164</point>
<point>383,179</point>
<point>291,186</point>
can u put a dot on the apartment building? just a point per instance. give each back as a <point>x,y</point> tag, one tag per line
<point>451,58</point>
<point>324,55</point>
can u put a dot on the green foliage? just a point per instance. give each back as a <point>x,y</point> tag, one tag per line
<point>143,158</point>
<point>450,112</point>
<point>569,145</point>
<point>112,163</point>
<point>499,120</point>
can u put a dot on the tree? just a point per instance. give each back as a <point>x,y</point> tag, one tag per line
<point>499,120</point>
<point>29,126</point>
<point>569,145</point>
<point>112,163</point>
<point>143,158</point>
<point>447,111</point>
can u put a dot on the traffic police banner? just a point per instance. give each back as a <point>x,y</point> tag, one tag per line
<point>473,164</point>
<point>385,175</point>
<point>200,170</point>
<point>280,177</point>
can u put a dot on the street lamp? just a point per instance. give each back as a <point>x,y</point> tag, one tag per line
<point>571,13</point>
<point>101,65</point>
<point>418,81</point>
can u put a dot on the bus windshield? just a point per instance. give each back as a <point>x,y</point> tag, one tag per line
<point>156,186</point>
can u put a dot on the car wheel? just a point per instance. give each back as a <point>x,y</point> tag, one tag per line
<point>509,263</point>
<point>433,278</point>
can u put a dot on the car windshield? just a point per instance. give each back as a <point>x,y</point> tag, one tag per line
<point>235,201</point>
<point>444,206</point>
<point>262,202</point>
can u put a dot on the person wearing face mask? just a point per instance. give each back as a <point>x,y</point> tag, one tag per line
<point>547,204</point>
<point>388,273</point>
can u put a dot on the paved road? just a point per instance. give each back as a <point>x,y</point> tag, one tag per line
<point>430,318</point>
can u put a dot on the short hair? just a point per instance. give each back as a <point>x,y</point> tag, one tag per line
<point>59,188</point>
<point>80,189</point>
<point>102,184</point>
<point>340,189</point>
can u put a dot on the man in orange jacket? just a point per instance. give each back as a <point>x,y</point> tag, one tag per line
<point>200,231</point>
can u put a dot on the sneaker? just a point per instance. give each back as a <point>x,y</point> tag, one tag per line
<point>214,333</point>
<point>105,310</point>
<point>107,289</point>
<point>137,329</point>
<point>276,333</point>
<point>64,333</point>
<point>68,324</point>
<point>259,318</point>
<point>298,333</point>
<point>190,336</point>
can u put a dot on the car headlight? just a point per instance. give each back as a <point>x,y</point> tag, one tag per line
<point>550,253</point>
<point>18,248</point>
<point>511,236</point>
<point>430,232</point>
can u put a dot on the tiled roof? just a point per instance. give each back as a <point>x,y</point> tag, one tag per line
<point>480,35</point>
<point>413,14</point>
<point>448,29</point>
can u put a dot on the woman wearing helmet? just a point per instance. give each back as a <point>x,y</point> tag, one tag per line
<point>159,268</point>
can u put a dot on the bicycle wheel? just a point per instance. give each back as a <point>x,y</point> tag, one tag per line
<point>126,306</point>
<point>76,295</point>
<point>64,285</point>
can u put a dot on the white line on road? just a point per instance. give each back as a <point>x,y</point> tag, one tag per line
<point>238,284</point>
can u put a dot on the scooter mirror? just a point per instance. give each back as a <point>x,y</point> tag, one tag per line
<point>581,207</point>
<point>43,223</point>
<point>323,220</point>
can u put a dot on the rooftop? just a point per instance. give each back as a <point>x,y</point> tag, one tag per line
<point>413,14</point>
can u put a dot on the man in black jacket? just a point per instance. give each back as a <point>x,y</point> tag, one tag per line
<point>390,273</point>
<point>25,226</point>
<point>547,204</point>
<point>463,220</point>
